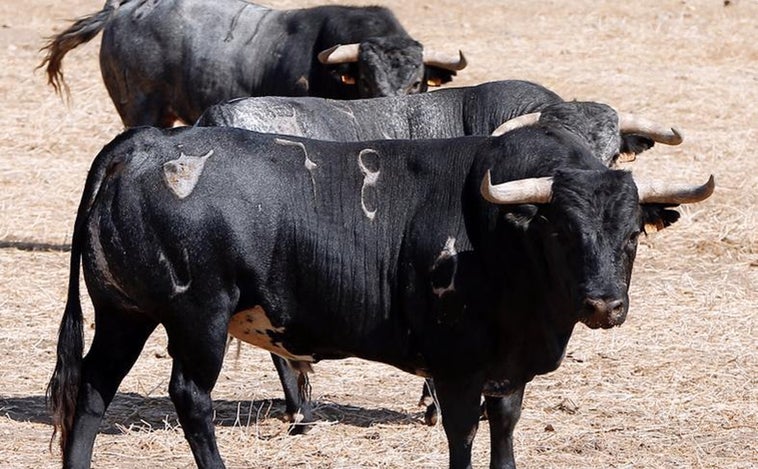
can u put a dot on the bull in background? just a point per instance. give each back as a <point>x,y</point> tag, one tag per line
<point>484,109</point>
<point>495,107</point>
<point>170,59</point>
<point>402,252</point>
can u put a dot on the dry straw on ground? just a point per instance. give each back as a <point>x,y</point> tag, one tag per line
<point>673,387</point>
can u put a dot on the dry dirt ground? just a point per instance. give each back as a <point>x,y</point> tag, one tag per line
<point>674,387</point>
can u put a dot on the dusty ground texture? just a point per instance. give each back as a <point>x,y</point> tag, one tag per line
<point>673,387</point>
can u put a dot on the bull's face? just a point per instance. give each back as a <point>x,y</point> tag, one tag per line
<point>590,232</point>
<point>586,228</point>
<point>390,67</point>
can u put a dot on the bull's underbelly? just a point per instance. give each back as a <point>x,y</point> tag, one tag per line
<point>254,327</point>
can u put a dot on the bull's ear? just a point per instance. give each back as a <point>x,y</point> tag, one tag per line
<point>436,76</point>
<point>656,217</point>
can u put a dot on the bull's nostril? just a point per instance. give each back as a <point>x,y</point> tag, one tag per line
<point>604,307</point>
<point>616,307</point>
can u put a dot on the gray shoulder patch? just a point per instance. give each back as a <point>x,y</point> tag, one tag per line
<point>182,174</point>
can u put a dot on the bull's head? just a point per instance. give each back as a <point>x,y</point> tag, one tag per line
<point>608,134</point>
<point>587,224</point>
<point>389,66</point>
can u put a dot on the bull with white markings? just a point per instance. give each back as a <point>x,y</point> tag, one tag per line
<point>495,107</point>
<point>403,252</point>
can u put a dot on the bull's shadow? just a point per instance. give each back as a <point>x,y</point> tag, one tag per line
<point>131,410</point>
<point>34,246</point>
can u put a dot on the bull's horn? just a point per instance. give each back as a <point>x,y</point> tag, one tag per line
<point>667,193</point>
<point>339,54</point>
<point>522,191</point>
<point>446,61</point>
<point>631,124</point>
<point>524,120</point>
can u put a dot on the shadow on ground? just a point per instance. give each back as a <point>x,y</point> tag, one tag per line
<point>131,410</point>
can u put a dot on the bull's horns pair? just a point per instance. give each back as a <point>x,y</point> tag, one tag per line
<point>346,53</point>
<point>540,191</point>
<point>628,124</point>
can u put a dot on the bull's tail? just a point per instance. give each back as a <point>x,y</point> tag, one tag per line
<point>63,388</point>
<point>83,30</point>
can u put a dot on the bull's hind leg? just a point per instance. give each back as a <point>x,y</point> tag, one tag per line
<point>429,401</point>
<point>298,406</point>
<point>119,338</point>
<point>145,109</point>
<point>197,340</point>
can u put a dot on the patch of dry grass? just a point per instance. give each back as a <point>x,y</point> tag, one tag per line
<point>674,387</point>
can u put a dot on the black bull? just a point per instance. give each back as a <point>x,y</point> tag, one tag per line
<point>171,59</point>
<point>496,106</point>
<point>395,251</point>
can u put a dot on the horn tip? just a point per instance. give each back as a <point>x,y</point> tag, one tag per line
<point>710,186</point>
<point>462,60</point>
<point>678,136</point>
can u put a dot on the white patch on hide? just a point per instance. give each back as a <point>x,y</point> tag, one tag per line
<point>448,252</point>
<point>182,174</point>
<point>178,286</point>
<point>309,164</point>
<point>369,180</point>
<point>254,327</point>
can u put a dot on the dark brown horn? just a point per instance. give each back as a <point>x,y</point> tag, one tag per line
<point>631,124</point>
<point>339,54</point>
<point>446,61</point>
<point>522,191</point>
<point>524,120</point>
<point>667,193</point>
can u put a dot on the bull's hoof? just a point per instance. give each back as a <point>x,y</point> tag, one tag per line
<point>300,428</point>
<point>300,424</point>
<point>431,415</point>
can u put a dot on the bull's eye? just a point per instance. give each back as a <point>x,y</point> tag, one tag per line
<point>416,85</point>
<point>631,242</point>
<point>347,79</point>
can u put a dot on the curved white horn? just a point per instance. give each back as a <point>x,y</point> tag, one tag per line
<point>446,61</point>
<point>631,124</point>
<point>522,191</point>
<point>657,192</point>
<point>339,54</point>
<point>524,120</point>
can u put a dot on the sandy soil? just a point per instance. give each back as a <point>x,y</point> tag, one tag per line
<point>674,387</point>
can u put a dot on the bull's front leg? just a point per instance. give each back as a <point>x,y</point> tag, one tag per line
<point>503,414</point>
<point>459,403</point>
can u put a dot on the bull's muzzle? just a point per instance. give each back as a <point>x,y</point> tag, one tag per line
<point>603,313</point>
